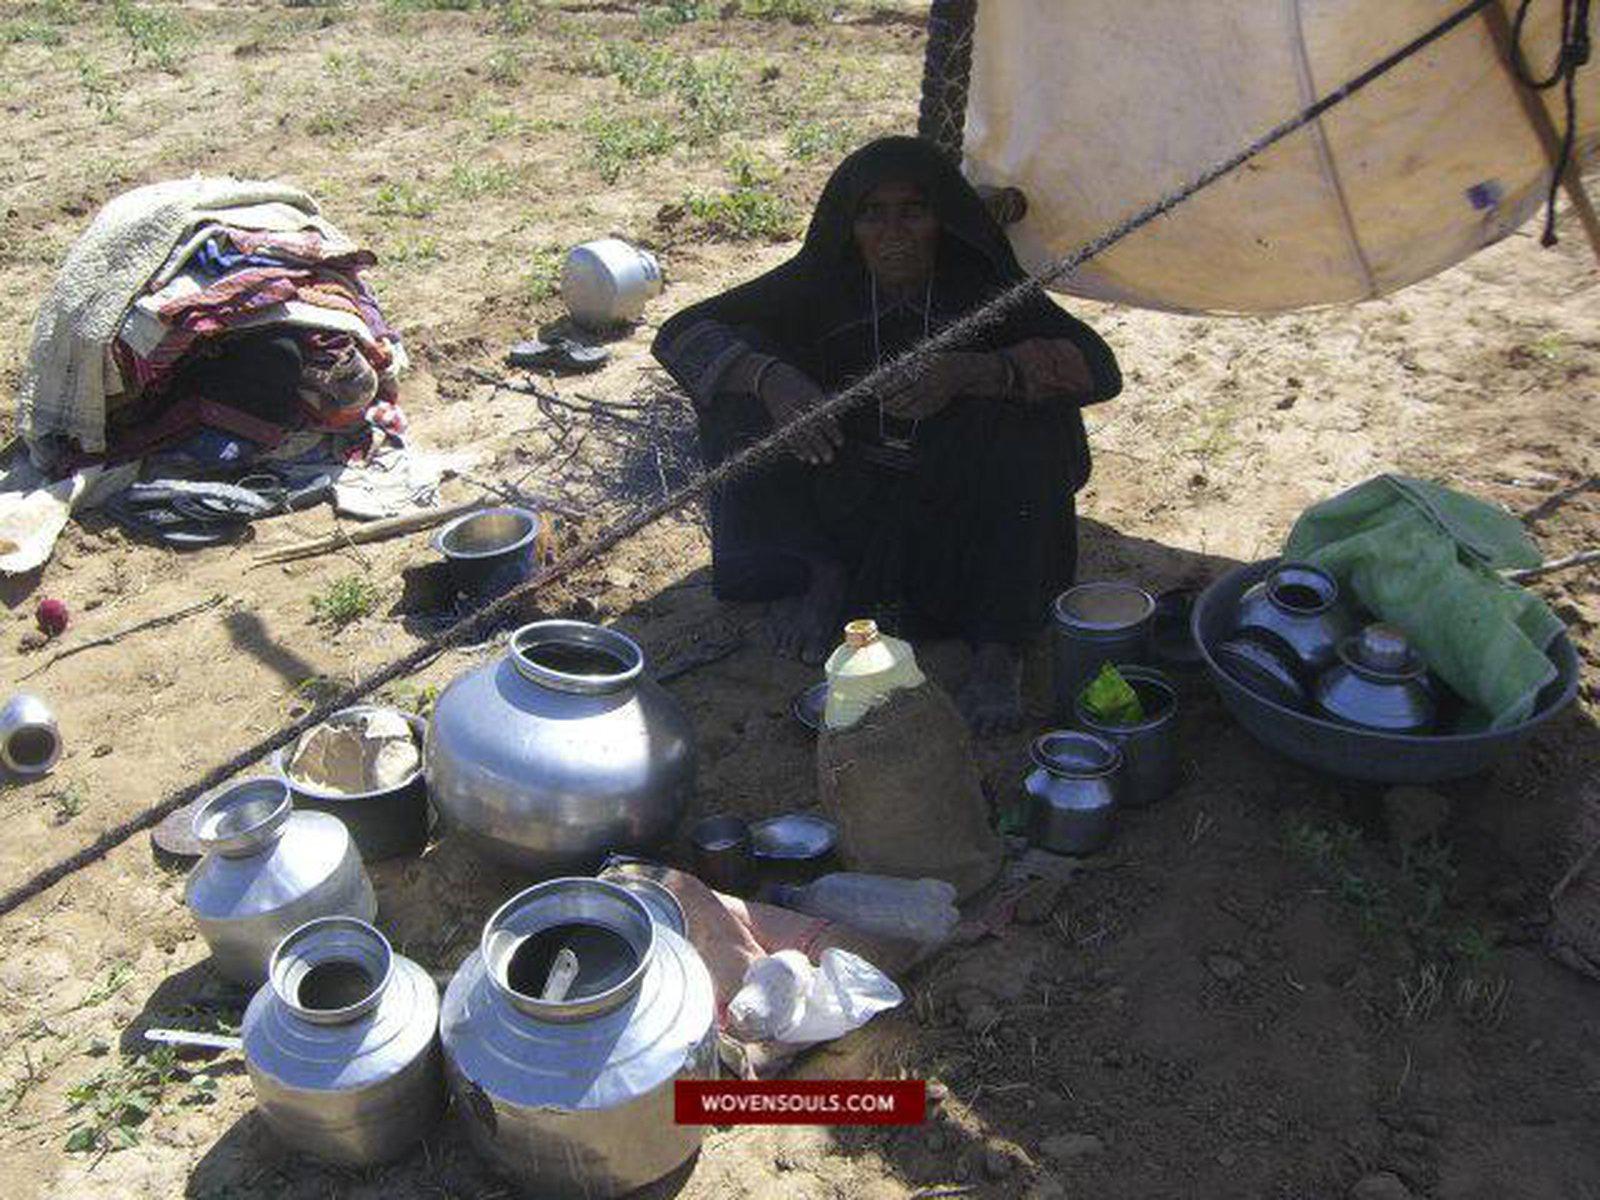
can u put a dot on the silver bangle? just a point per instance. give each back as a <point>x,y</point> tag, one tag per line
<point>761,376</point>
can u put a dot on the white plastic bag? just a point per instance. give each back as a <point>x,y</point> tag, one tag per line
<point>785,999</point>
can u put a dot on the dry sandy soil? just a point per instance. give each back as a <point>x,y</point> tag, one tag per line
<point>1253,993</point>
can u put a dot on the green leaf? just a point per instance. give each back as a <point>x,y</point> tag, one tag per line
<point>123,1136</point>
<point>1111,701</point>
<point>81,1139</point>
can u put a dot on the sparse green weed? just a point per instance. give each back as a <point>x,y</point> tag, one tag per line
<point>403,199</point>
<point>618,142</point>
<point>748,211</point>
<point>346,600</point>
<point>414,698</point>
<point>114,1104</point>
<point>505,66</point>
<point>544,273</point>
<point>69,802</point>
<point>157,37</point>
<point>40,33</point>
<point>798,12</point>
<point>514,16</point>
<point>335,121</point>
<point>114,980</point>
<point>470,181</point>
<point>816,139</point>
<point>411,251</point>
<point>98,90</point>
<point>659,18</point>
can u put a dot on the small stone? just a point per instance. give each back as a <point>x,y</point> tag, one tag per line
<point>1224,966</point>
<point>1382,1186</point>
<point>620,577</point>
<point>1268,1126</point>
<point>1198,479</point>
<point>31,641</point>
<point>100,751</point>
<point>997,1162</point>
<point>1413,814</point>
<point>1227,1158</point>
<point>1065,1147</point>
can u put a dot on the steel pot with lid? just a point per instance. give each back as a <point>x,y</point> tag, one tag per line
<point>266,871</point>
<point>560,751</point>
<point>1380,682</point>
<point>564,1033</point>
<point>342,1045</point>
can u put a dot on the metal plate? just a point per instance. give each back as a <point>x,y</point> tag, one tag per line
<point>808,705</point>
<point>794,836</point>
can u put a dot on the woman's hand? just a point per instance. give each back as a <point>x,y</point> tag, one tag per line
<point>788,393</point>
<point>941,379</point>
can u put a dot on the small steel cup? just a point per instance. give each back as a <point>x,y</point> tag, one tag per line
<point>723,856</point>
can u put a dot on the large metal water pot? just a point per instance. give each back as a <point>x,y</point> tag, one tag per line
<point>1093,624</point>
<point>267,870</point>
<point>1298,609</point>
<point>342,1045</point>
<point>564,1032</point>
<point>1074,792</point>
<point>561,751</point>
<point>607,282</point>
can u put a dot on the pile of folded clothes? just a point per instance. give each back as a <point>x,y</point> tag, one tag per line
<point>208,305</point>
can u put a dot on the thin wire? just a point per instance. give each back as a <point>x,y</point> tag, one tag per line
<point>904,366</point>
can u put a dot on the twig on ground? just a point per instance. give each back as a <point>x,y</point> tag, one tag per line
<point>375,531</point>
<point>1582,558</point>
<point>1574,871</point>
<point>1555,500</point>
<point>171,618</point>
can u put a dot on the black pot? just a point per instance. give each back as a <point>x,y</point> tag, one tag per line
<point>386,823</point>
<point>491,551</point>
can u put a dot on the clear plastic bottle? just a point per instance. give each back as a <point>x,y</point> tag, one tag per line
<point>863,671</point>
<point>913,910</point>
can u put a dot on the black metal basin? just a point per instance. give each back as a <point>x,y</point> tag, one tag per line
<point>1345,750</point>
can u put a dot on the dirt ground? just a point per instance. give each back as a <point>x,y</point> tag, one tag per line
<point>1255,992</point>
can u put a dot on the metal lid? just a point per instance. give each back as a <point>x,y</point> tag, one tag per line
<point>1302,588</point>
<point>794,836</point>
<point>243,818</point>
<point>1104,607</point>
<point>1076,755</point>
<point>1384,649</point>
<point>579,905</point>
<point>331,970</point>
<point>576,657</point>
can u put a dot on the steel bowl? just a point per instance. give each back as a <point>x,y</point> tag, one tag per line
<point>1371,755</point>
<point>384,822</point>
<point>490,551</point>
<point>794,848</point>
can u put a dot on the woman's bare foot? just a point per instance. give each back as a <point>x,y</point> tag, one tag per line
<point>806,626</point>
<point>992,696</point>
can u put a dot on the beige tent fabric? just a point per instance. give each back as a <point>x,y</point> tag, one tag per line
<point>1096,109</point>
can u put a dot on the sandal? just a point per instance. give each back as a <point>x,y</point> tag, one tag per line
<point>558,354</point>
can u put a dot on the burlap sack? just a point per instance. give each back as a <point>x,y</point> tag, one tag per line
<point>905,791</point>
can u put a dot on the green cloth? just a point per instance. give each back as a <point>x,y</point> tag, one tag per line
<point>1424,559</point>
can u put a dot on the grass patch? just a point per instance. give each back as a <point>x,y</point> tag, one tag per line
<point>796,12</point>
<point>748,211</point>
<point>157,37</point>
<point>403,199</point>
<point>707,90</point>
<point>506,66</point>
<point>544,273</point>
<point>413,697</point>
<point>69,802</point>
<point>337,121</point>
<point>113,1106</point>
<point>619,142</point>
<point>99,92</point>
<point>470,181</point>
<point>39,33</point>
<point>658,18</point>
<point>346,600</point>
<point>413,251</point>
<point>817,139</point>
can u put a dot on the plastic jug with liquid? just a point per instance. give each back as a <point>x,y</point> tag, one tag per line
<point>864,671</point>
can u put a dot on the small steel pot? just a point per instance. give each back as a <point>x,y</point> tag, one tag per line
<point>30,743</point>
<point>1097,623</point>
<point>723,856</point>
<point>491,551</point>
<point>1150,747</point>
<point>1297,607</point>
<point>384,823</point>
<point>1379,683</point>
<point>1074,792</point>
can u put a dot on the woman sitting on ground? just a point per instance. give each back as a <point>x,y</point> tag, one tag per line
<point>942,506</point>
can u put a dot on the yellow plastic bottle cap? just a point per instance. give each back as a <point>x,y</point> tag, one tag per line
<point>859,633</point>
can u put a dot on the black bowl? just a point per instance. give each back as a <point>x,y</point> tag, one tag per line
<point>1349,751</point>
